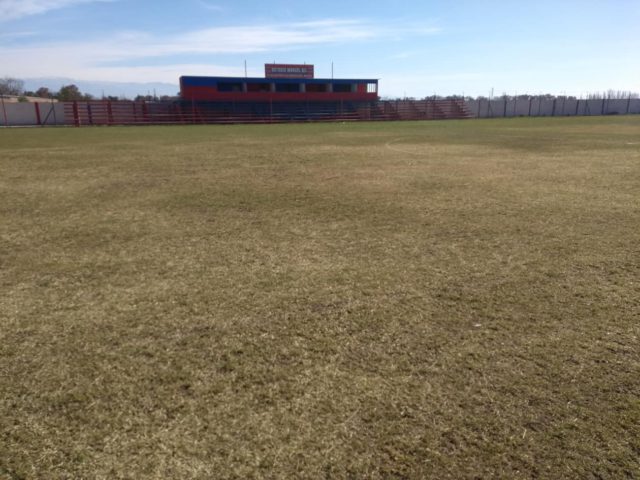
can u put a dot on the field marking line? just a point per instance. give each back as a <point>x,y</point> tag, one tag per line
<point>390,147</point>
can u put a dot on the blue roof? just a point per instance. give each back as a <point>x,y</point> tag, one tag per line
<point>206,81</point>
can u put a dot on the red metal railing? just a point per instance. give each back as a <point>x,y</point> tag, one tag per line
<point>158,113</point>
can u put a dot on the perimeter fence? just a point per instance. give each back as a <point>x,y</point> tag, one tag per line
<point>105,112</point>
<point>95,113</point>
<point>559,107</point>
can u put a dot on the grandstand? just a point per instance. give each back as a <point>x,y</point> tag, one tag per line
<point>287,93</point>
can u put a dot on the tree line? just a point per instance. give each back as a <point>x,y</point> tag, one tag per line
<point>68,93</point>
<point>609,94</point>
<point>15,87</point>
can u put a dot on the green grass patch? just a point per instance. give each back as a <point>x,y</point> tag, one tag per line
<point>452,299</point>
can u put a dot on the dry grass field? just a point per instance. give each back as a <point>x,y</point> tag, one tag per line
<point>442,300</point>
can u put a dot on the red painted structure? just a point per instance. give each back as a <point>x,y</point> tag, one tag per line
<point>105,112</point>
<point>240,89</point>
<point>288,93</point>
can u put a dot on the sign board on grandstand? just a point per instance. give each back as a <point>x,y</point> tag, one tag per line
<point>281,70</point>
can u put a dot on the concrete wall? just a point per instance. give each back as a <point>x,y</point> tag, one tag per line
<point>551,108</point>
<point>24,114</point>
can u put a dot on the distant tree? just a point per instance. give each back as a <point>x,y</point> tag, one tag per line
<point>69,93</point>
<point>43,92</point>
<point>612,94</point>
<point>11,86</point>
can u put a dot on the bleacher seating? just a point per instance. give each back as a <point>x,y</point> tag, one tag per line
<point>133,113</point>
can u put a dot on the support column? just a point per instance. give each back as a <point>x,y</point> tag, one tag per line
<point>4,111</point>
<point>76,114</point>
<point>37,107</point>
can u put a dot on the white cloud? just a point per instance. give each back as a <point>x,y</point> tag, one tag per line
<point>14,35</point>
<point>128,46</point>
<point>210,6</point>
<point>123,56</point>
<point>249,39</point>
<point>218,40</point>
<point>12,9</point>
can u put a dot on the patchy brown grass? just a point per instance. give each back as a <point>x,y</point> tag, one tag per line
<point>387,300</point>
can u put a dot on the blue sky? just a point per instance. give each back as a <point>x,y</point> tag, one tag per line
<point>415,48</point>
